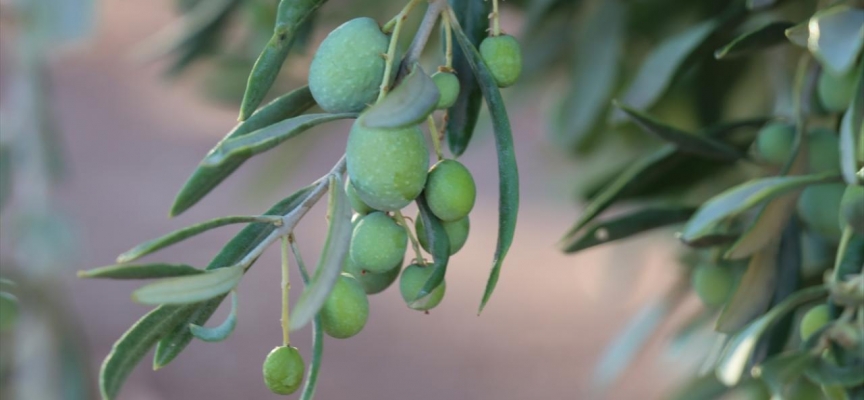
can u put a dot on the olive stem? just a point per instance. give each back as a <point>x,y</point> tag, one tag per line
<point>496,27</point>
<point>286,288</point>
<point>448,41</point>
<point>394,25</point>
<point>436,140</point>
<point>400,219</point>
<point>304,273</point>
<point>424,31</point>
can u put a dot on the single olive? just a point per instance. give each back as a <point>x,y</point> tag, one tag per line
<point>413,278</point>
<point>713,284</point>
<point>346,310</point>
<point>457,233</point>
<point>378,243</point>
<point>346,72</point>
<point>450,190</point>
<point>283,370</point>
<point>819,208</point>
<point>774,142</point>
<point>356,202</point>
<point>448,87</point>
<point>503,57</point>
<point>852,208</point>
<point>388,168</point>
<point>835,91</point>
<point>372,282</point>
<point>814,319</point>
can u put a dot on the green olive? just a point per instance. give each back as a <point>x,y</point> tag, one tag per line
<point>413,278</point>
<point>819,208</point>
<point>814,319</point>
<point>774,145</point>
<point>824,151</point>
<point>713,284</point>
<point>372,282</point>
<point>448,87</point>
<point>450,190</point>
<point>356,202</point>
<point>852,208</point>
<point>378,243</point>
<point>347,69</point>
<point>835,91</point>
<point>503,57</point>
<point>346,310</point>
<point>388,168</point>
<point>283,370</point>
<point>457,233</point>
<point>774,142</point>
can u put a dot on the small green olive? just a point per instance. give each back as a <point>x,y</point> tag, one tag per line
<point>448,87</point>
<point>835,91</point>
<point>852,208</point>
<point>346,310</point>
<point>283,370</point>
<point>378,243</point>
<point>774,142</point>
<point>774,145</point>
<point>819,208</point>
<point>503,57</point>
<point>356,202</point>
<point>813,320</point>
<point>713,284</point>
<point>457,233</point>
<point>413,278</point>
<point>450,190</point>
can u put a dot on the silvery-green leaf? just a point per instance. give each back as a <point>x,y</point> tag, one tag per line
<point>852,122</point>
<point>140,271</point>
<point>408,104</point>
<point>221,332</point>
<point>439,244</point>
<point>627,225</point>
<point>190,289</point>
<point>783,369</point>
<point>754,292</point>
<point>761,38</point>
<point>799,34</point>
<point>836,37</point>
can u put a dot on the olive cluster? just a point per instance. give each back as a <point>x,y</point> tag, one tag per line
<point>388,169</point>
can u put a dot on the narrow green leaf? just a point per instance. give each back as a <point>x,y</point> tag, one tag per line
<point>754,292</point>
<point>508,173</point>
<point>135,343</point>
<point>439,243</point>
<point>198,22</point>
<point>824,372</point>
<point>762,4</point>
<point>185,233</point>
<point>852,122</point>
<point>733,362</point>
<point>473,17</point>
<point>736,200</point>
<point>221,332</point>
<point>190,289</point>
<point>204,179</point>
<point>140,271</point>
<point>266,138</point>
<point>684,141</point>
<point>289,18</point>
<point>761,38</point>
<point>408,104</point>
<point>251,236</point>
<point>627,225</point>
<point>799,34</point>
<point>599,48</point>
<point>836,37</point>
<point>663,65</point>
<point>332,257</point>
<point>783,369</point>
<point>767,226</point>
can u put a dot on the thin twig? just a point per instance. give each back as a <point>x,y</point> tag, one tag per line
<point>424,31</point>
<point>400,219</point>
<point>286,287</point>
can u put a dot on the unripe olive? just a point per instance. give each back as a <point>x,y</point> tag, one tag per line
<point>835,91</point>
<point>450,190</point>
<point>774,142</point>
<point>457,233</point>
<point>346,310</point>
<point>448,87</point>
<point>8,311</point>
<point>387,167</point>
<point>503,57</point>
<point>713,284</point>
<point>813,320</point>
<point>824,151</point>
<point>356,202</point>
<point>413,278</point>
<point>819,208</point>
<point>372,282</point>
<point>852,208</point>
<point>378,243</point>
<point>346,71</point>
<point>283,370</point>
<point>774,145</point>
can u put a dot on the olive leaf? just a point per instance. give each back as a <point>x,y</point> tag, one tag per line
<point>201,21</point>
<point>741,198</point>
<point>662,66</point>
<point>462,116</point>
<point>754,292</point>
<point>684,141</point>
<point>853,121</point>
<point>762,4</point>
<point>439,244</point>
<point>705,387</point>
<point>332,257</point>
<point>173,343</point>
<point>824,372</point>
<point>783,369</point>
<point>221,332</point>
<point>739,349</point>
<point>836,36</point>
<point>598,52</point>
<point>190,289</point>
<point>140,271</point>
<point>766,36</point>
<point>177,236</point>
<point>408,104</point>
<point>204,179</point>
<point>627,225</point>
<point>799,34</point>
<point>266,138</point>
<point>768,224</point>
<point>290,17</point>
<point>508,174</point>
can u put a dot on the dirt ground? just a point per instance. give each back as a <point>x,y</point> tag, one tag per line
<point>132,140</point>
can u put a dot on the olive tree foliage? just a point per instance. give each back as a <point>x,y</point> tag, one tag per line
<point>738,123</point>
